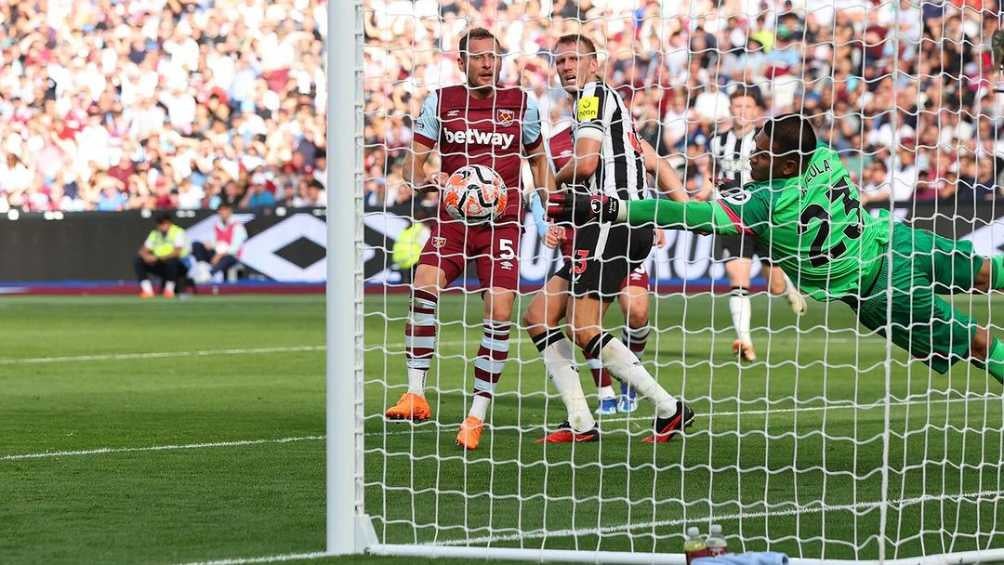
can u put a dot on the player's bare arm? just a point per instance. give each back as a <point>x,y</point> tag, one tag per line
<point>543,177</point>
<point>666,179</point>
<point>414,169</point>
<point>582,165</point>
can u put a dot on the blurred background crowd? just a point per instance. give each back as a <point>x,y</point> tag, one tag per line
<point>160,104</point>
<point>902,88</point>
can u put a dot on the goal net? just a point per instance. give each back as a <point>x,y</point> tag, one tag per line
<point>833,443</point>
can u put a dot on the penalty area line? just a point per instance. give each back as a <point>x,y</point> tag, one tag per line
<point>107,450</point>
<point>158,355</point>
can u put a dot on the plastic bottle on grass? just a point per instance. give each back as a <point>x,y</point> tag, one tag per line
<point>716,541</point>
<point>694,545</point>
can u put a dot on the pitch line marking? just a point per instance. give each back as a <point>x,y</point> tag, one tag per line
<point>412,431</point>
<point>251,351</point>
<point>993,495</point>
<point>105,450</point>
<point>540,534</point>
<point>264,559</point>
<point>158,355</point>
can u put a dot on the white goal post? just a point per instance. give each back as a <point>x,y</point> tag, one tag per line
<point>880,512</point>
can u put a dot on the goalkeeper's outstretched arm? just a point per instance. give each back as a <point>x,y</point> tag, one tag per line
<point>701,217</point>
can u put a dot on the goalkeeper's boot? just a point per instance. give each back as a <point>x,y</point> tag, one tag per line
<point>629,399</point>
<point>607,407</point>
<point>410,407</point>
<point>470,432</point>
<point>744,350</point>
<point>666,428</point>
<point>168,293</point>
<point>146,294</point>
<point>565,434</point>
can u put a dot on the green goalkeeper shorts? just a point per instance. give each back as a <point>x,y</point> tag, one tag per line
<point>923,266</point>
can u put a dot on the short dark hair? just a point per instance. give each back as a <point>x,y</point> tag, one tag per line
<point>477,33</point>
<point>791,136</point>
<point>751,91</point>
<point>225,204</point>
<point>161,217</point>
<point>580,39</point>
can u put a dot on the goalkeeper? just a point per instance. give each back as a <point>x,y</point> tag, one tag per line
<point>804,209</point>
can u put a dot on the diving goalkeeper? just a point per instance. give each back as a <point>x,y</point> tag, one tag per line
<point>804,209</point>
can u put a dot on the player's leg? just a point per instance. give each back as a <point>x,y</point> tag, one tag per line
<point>607,404</point>
<point>634,303</point>
<point>545,313</point>
<point>988,351</point>
<point>737,269</point>
<point>779,284</point>
<point>559,359</point>
<point>954,267</point>
<point>672,416</point>
<point>496,252</point>
<point>440,262</point>
<point>919,321</point>
<point>543,318</point>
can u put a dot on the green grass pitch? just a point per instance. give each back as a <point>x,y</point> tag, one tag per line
<point>190,399</point>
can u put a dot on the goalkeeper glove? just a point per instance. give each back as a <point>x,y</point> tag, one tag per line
<point>581,209</point>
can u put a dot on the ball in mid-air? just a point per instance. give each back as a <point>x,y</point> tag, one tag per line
<point>475,194</point>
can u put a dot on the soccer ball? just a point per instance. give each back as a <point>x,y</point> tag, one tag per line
<point>475,194</point>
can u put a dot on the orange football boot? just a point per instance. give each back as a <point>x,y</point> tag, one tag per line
<point>470,432</point>
<point>410,407</point>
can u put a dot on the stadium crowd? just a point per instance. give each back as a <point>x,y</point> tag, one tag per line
<point>160,104</point>
<point>116,104</point>
<point>904,94</point>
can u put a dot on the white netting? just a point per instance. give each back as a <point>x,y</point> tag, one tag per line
<point>832,444</point>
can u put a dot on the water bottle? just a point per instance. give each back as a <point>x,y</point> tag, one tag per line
<point>694,545</point>
<point>716,541</point>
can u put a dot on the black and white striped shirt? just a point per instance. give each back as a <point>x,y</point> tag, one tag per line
<point>601,114</point>
<point>731,155</point>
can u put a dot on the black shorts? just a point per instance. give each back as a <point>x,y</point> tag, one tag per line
<point>729,247</point>
<point>602,256</point>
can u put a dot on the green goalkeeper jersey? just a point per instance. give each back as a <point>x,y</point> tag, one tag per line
<point>812,226</point>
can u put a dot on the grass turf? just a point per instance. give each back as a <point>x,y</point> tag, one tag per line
<point>786,453</point>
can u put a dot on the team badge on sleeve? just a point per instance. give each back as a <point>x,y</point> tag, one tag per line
<point>588,109</point>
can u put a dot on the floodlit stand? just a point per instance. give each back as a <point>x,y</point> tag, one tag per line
<point>348,527</point>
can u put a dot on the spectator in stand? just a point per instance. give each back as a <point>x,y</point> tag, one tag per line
<point>258,195</point>
<point>978,180</point>
<point>133,90</point>
<point>128,89</point>
<point>875,183</point>
<point>224,251</point>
